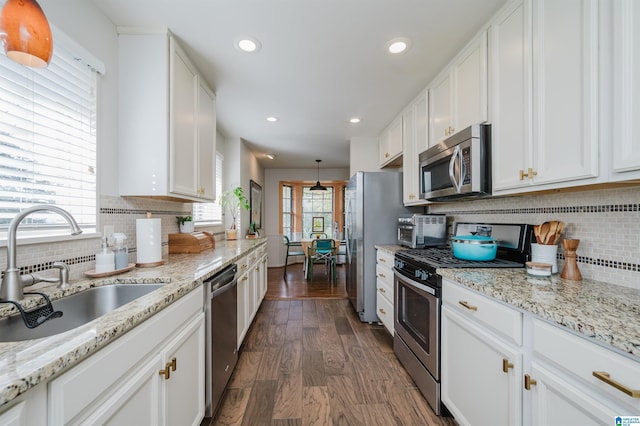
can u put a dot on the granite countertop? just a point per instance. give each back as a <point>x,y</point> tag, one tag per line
<point>27,363</point>
<point>389,248</point>
<point>607,313</point>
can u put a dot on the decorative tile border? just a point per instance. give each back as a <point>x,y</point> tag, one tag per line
<point>606,208</point>
<point>624,266</point>
<point>108,210</point>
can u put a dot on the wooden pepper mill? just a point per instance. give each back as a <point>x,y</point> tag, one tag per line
<point>570,270</point>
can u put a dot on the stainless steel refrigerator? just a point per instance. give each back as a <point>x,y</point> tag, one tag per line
<point>373,202</point>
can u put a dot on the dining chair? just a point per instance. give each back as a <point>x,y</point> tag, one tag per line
<point>292,253</point>
<point>323,251</point>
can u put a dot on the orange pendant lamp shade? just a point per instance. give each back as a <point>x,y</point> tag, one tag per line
<point>25,33</point>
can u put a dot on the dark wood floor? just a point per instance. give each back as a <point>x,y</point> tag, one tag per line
<point>311,361</point>
<point>295,286</point>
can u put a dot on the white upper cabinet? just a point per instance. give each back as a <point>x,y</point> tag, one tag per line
<point>545,105</point>
<point>626,90</point>
<point>415,132</point>
<point>166,121</point>
<point>391,144</point>
<point>458,96</point>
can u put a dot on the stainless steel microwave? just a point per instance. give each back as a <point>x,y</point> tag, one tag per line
<point>458,167</point>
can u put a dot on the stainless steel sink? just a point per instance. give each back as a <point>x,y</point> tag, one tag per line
<point>77,310</point>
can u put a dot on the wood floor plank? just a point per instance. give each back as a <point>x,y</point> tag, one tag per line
<point>313,368</point>
<point>315,406</point>
<point>294,330</point>
<point>377,414</point>
<point>286,422</point>
<point>291,358</point>
<point>246,370</point>
<point>270,363</point>
<point>259,409</point>
<point>343,326</point>
<point>276,334</point>
<point>402,406</point>
<point>311,339</point>
<point>334,356</point>
<point>310,314</point>
<point>344,401</point>
<point>288,403</point>
<point>295,310</point>
<point>233,407</point>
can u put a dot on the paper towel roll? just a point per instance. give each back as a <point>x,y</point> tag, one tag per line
<point>148,241</point>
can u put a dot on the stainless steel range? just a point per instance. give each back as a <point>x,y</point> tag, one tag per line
<point>418,295</point>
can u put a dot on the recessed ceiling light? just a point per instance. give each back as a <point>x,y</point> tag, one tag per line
<point>398,45</point>
<point>272,119</point>
<point>248,44</point>
<point>354,120</point>
<point>270,156</point>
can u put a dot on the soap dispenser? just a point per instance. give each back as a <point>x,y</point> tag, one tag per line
<point>105,260</point>
<point>120,251</point>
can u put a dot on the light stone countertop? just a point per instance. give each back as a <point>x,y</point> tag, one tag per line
<point>389,248</point>
<point>606,313</point>
<point>27,363</point>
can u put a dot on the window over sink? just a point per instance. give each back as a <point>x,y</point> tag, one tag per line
<point>48,138</point>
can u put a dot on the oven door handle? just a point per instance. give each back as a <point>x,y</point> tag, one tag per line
<point>452,168</point>
<point>412,283</point>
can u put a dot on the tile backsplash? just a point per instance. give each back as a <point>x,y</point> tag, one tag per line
<point>606,221</point>
<point>119,212</point>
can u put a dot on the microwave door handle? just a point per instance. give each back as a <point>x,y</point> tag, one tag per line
<point>463,170</point>
<point>452,165</point>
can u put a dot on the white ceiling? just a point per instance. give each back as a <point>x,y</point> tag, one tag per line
<point>321,63</point>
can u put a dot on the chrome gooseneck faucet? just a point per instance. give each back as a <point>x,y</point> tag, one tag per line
<point>13,282</point>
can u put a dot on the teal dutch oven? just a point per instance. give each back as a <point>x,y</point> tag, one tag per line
<point>474,247</point>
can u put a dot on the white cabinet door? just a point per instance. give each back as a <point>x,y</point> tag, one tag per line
<point>626,90</point>
<point>469,76</point>
<point>206,142</point>
<point>545,108</point>
<point>416,140</point>
<point>183,400</point>
<point>440,108</point>
<point>565,87</point>
<point>556,400</point>
<point>391,144</point>
<point>510,76</point>
<point>184,82</point>
<point>474,386</point>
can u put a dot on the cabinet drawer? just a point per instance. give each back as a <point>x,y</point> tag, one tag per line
<point>384,309</point>
<point>384,258</point>
<point>243,265</point>
<point>385,290</point>
<point>505,321</point>
<point>581,358</point>
<point>385,274</point>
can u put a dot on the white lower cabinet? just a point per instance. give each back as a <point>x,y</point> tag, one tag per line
<point>252,286</point>
<point>384,289</point>
<point>153,375</point>
<point>481,374</point>
<point>28,409</point>
<point>553,377</point>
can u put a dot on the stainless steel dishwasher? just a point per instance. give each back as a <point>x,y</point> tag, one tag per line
<point>222,334</point>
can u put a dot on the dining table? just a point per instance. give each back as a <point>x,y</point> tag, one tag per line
<point>306,243</point>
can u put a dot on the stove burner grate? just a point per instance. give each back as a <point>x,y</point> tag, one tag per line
<point>443,258</point>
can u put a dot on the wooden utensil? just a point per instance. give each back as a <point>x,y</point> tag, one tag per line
<point>536,233</point>
<point>551,235</point>
<point>544,230</point>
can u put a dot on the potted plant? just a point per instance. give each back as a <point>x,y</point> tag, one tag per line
<point>185,223</point>
<point>253,232</point>
<point>233,199</point>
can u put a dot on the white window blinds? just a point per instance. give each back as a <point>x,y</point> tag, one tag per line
<point>48,139</point>
<point>211,212</point>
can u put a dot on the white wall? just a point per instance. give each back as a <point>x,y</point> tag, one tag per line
<point>363,155</point>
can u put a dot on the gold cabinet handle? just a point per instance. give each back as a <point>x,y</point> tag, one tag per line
<point>382,276</point>
<point>386,155</point>
<point>382,311</point>
<point>245,278</point>
<point>506,365</point>
<point>467,305</point>
<point>528,382</point>
<point>529,174</point>
<point>168,367</point>
<point>381,290</point>
<point>606,377</point>
<point>382,260</point>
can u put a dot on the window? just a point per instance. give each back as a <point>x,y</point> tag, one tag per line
<point>287,211</point>
<point>48,138</point>
<point>211,212</point>
<point>317,204</point>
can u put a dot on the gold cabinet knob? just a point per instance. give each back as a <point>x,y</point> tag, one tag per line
<point>168,367</point>
<point>506,365</point>
<point>386,155</point>
<point>528,382</point>
<point>382,311</point>
<point>381,290</point>
<point>530,173</point>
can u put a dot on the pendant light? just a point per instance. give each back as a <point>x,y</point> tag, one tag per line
<point>318,186</point>
<point>25,33</point>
